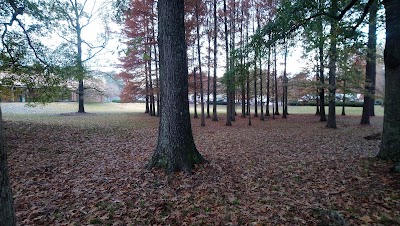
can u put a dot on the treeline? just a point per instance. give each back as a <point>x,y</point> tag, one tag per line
<point>234,48</point>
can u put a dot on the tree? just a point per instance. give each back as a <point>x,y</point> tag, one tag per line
<point>370,75</point>
<point>215,117</point>
<point>71,18</point>
<point>197,9</point>
<point>14,55</point>
<point>175,149</point>
<point>331,123</point>
<point>7,212</point>
<point>390,147</point>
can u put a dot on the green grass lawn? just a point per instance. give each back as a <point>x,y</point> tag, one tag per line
<point>23,112</point>
<point>300,110</point>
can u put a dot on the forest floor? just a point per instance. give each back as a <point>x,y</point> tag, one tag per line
<point>69,169</point>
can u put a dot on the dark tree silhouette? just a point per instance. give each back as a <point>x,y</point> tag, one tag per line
<point>390,147</point>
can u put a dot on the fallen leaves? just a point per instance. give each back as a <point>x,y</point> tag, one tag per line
<point>90,170</point>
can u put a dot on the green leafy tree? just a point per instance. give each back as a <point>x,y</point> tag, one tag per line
<point>71,18</point>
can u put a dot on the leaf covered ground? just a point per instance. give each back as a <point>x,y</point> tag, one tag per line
<point>89,170</point>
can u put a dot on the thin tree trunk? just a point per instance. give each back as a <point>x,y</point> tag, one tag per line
<point>209,69</point>
<point>232,61</point>
<point>157,80</point>
<point>285,83</point>
<point>156,65</point>
<point>152,100</point>
<point>255,79</point>
<point>242,84</point>
<point>331,123</point>
<point>147,90</point>
<point>317,112</point>
<point>202,123</point>
<point>215,117</point>
<point>268,81</point>
<point>261,92</point>
<point>276,84</point>
<point>7,212</point>
<point>195,91</point>
<point>321,69</point>
<point>228,96</point>
<point>81,89</point>
<point>248,97</point>
<point>344,98</point>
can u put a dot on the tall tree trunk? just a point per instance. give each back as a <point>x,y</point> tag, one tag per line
<point>390,146</point>
<point>268,81</point>
<point>81,88</point>
<point>175,146</point>
<point>195,91</point>
<point>147,90</point>
<point>7,212</point>
<point>156,64</point>
<point>370,75</point>
<point>215,117</point>
<point>232,61</point>
<point>255,85</point>
<point>248,97</point>
<point>331,123</point>
<point>261,92</point>
<point>255,79</point>
<point>317,112</point>
<point>344,98</point>
<point>152,100</point>
<point>372,51</point>
<point>322,117</point>
<point>157,80</point>
<point>242,84</point>
<point>276,84</point>
<point>209,69</point>
<point>285,83</point>
<point>228,85</point>
<point>202,123</point>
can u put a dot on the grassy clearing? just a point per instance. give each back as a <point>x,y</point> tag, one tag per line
<point>116,114</point>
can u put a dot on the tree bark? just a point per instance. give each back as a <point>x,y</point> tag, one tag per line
<point>276,85</point>
<point>285,83</point>
<point>317,112</point>
<point>176,149</point>
<point>344,98</point>
<point>202,123</point>
<point>215,117</point>
<point>370,75</point>
<point>81,94</point>
<point>268,80</point>
<point>390,146</point>
<point>321,68</point>
<point>7,212</point>
<point>195,92</point>
<point>209,69</point>
<point>228,85</point>
<point>331,123</point>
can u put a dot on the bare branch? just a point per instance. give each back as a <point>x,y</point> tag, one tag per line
<point>21,25</point>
